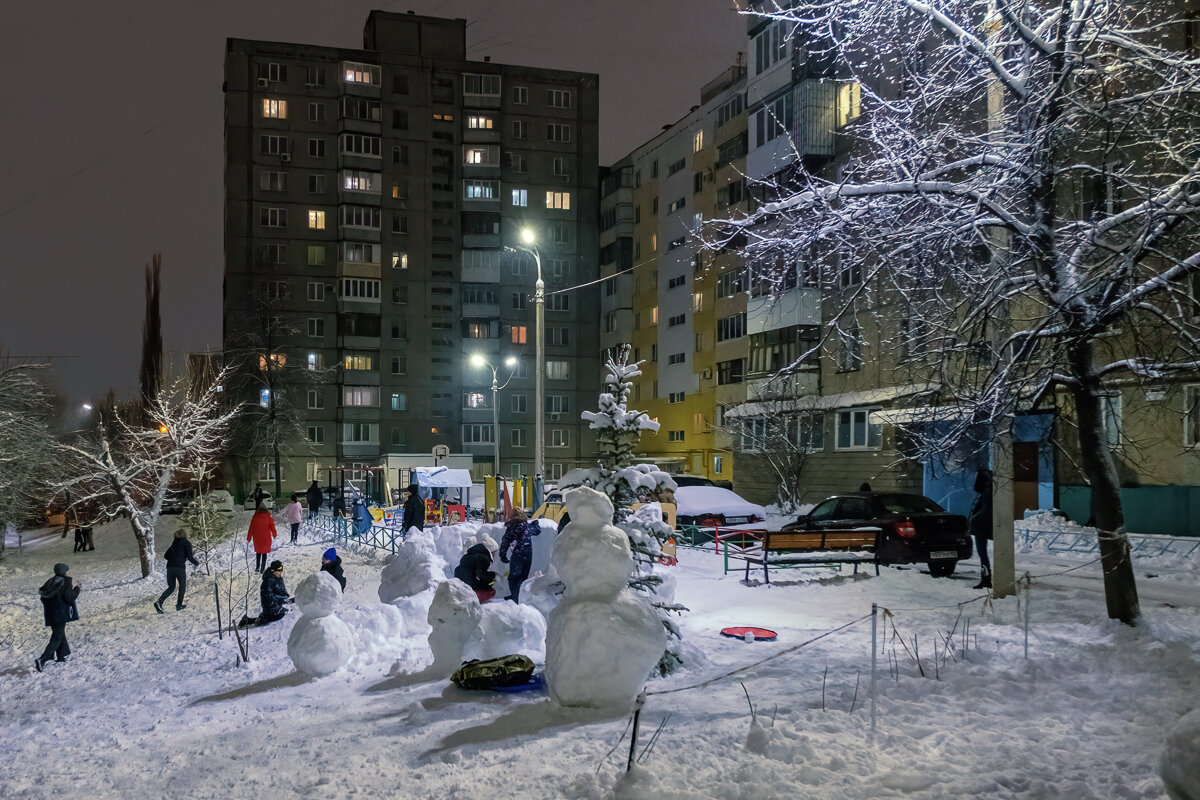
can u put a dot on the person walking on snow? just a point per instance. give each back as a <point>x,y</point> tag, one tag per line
<point>258,494</point>
<point>516,549</point>
<point>314,498</point>
<point>414,510</point>
<point>979,522</point>
<point>58,604</point>
<point>262,532</point>
<point>331,562</point>
<point>177,556</point>
<point>293,512</point>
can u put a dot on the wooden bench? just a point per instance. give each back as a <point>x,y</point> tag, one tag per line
<point>788,549</point>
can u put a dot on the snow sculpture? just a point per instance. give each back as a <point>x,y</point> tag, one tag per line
<point>542,590</point>
<point>1180,765</point>
<point>410,579</point>
<point>603,639</point>
<point>507,628</point>
<point>319,643</point>
<point>454,616</point>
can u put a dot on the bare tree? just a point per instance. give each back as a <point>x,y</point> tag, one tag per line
<point>26,444</point>
<point>779,437</point>
<point>125,468</point>
<point>1023,185</point>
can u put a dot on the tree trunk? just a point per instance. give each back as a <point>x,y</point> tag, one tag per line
<point>145,540</point>
<point>278,476</point>
<point>1120,589</point>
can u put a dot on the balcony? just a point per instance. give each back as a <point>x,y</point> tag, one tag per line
<point>475,310</point>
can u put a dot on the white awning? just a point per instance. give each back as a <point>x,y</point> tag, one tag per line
<point>442,478</point>
<point>826,402</point>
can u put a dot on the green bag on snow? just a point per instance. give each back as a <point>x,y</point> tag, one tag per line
<point>489,673</point>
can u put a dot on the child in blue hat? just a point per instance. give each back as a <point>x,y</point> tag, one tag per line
<point>331,562</point>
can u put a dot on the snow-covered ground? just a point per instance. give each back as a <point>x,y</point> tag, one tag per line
<point>154,706</point>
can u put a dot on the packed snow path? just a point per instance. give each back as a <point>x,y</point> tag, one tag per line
<point>153,705</point>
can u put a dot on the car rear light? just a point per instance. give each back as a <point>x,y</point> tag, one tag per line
<point>906,529</point>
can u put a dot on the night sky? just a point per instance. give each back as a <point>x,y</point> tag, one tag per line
<point>111,138</point>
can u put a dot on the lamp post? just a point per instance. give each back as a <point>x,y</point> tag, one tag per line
<point>529,240</point>
<point>478,360</point>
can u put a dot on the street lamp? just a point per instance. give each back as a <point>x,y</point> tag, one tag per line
<point>529,240</point>
<point>477,360</point>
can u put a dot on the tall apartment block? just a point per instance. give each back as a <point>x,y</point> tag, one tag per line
<point>372,200</point>
<point>665,294</point>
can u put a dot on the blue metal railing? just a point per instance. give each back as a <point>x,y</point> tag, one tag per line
<point>354,535</point>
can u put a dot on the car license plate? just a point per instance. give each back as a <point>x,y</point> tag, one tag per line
<point>938,555</point>
<point>736,520</point>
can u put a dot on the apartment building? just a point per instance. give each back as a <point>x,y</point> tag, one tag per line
<point>661,289</point>
<point>373,201</point>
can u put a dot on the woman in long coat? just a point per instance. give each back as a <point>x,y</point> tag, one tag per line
<point>262,532</point>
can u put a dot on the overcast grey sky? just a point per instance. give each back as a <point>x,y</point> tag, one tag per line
<point>111,142</point>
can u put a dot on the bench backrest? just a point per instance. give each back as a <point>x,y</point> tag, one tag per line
<point>819,540</point>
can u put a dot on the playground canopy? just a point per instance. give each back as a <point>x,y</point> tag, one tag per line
<point>442,478</point>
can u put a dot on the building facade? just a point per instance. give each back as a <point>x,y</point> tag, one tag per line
<point>373,201</point>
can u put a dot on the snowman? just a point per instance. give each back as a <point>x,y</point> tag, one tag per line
<point>320,643</point>
<point>603,639</point>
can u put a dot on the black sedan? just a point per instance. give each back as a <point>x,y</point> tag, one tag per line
<point>914,529</point>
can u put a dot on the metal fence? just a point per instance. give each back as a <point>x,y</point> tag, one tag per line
<point>351,535</point>
<point>1086,541</point>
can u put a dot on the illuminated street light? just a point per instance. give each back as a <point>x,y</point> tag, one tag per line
<point>478,360</point>
<point>529,240</point>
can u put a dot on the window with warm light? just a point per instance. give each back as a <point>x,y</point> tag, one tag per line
<point>316,220</point>
<point>366,74</point>
<point>274,109</point>
<point>558,200</point>
<point>519,334</point>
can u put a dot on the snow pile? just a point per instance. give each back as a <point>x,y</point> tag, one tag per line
<point>505,629</point>
<point>543,591</point>
<point>376,627</point>
<point>603,639</point>
<point>319,643</point>
<point>411,577</point>
<point>454,617</point>
<point>1180,766</point>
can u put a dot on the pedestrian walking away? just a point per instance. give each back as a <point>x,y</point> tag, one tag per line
<point>80,542</point>
<point>262,532</point>
<point>258,494</point>
<point>979,522</point>
<point>177,556</point>
<point>293,512</point>
<point>516,550</point>
<point>58,605</point>
<point>314,498</point>
<point>414,510</point>
<point>331,562</point>
<point>88,544</point>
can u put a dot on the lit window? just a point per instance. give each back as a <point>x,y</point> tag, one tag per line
<point>558,200</point>
<point>480,122</point>
<point>354,72</point>
<point>520,197</point>
<point>316,220</point>
<point>274,109</point>
<point>399,401</point>
<point>481,190</point>
<point>316,361</point>
<point>399,259</point>
<point>698,142</point>
<point>519,334</point>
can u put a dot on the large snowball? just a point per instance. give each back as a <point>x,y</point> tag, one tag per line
<point>591,555</point>
<point>1180,766</point>
<point>454,617</point>
<point>318,595</point>
<point>414,613</point>
<point>599,653</point>
<point>375,628</point>
<point>417,567</point>
<point>320,645</point>
<point>508,628</point>
<point>543,591</point>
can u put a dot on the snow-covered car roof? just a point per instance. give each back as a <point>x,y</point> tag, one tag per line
<point>696,501</point>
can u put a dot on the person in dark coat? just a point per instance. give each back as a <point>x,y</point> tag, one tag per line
<point>258,494</point>
<point>80,543</point>
<point>177,556</point>
<point>58,604</point>
<point>864,487</point>
<point>516,549</point>
<point>474,570</point>
<point>331,562</point>
<point>314,498</point>
<point>979,523</point>
<point>339,505</point>
<point>273,594</point>
<point>414,510</point>
<point>88,542</point>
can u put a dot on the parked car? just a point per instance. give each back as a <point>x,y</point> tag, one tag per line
<point>712,506</point>
<point>913,528</point>
<point>176,500</point>
<point>553,508</point>
<point>222,499</point>
<point>692,480</point>
<point>267,501</point>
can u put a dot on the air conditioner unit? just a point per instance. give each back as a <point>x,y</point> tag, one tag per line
<point>706,373</point>
<point>285,157</point>
<point>554,417</point>
<point>263,83</point>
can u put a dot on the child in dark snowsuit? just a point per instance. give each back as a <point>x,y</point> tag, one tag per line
<point>177,556</point>
<point>331,562</point>
<point>516,549</point>
<point>473,570</point>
